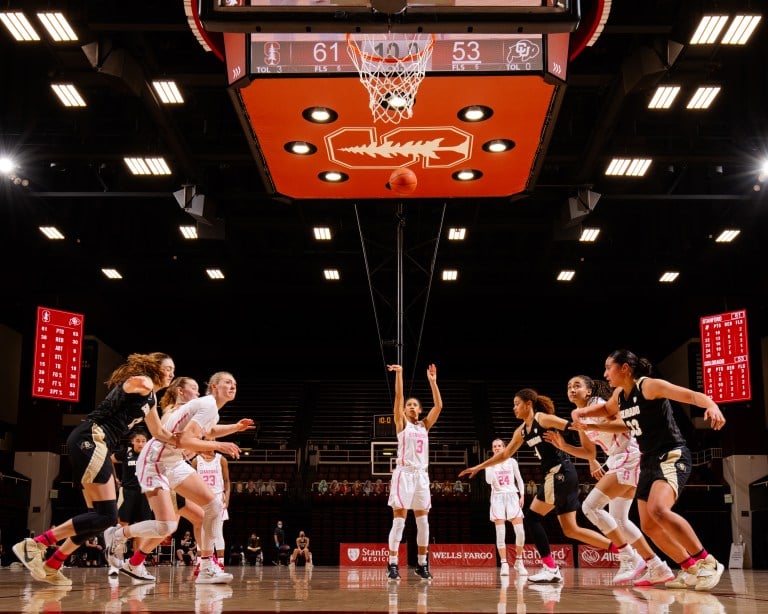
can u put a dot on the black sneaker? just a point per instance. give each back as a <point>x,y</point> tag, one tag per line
<point>393,573</point>
<point>423,572</point>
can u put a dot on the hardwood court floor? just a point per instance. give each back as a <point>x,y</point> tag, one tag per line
<point>365,589</point>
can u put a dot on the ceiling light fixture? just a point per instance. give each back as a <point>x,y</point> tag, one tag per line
<point>668,277</point>
<point>18,25</point>
<point>111,273</point>
<point>740,30</point>
<point>498,145</point>
<point>664,96</point>
<point>322,233</point>
<point>467,174</point>
<point>320,115</point>
<point>214,273</point>
<point>58,27</point>
<point>450,275</point>
<point>333,176</point>
<point>708,30</point>
<point>147,166</point>
<point>331,274</point>
<point>566,275</point>
<point>589,235</point>
<point>628,167</point>
<point>475,113</point>
<point>703,97</point>
<point>51,232</point>
<point>168,91</point>
<point>727,235</point>
<point>68,95</point>
<point>188,232</point>
<point>300,148</point>
<point>457,234</point>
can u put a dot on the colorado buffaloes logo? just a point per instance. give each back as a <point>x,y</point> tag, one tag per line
<point>85,445</point>
<point>353,554</point>
<point>681,467</point>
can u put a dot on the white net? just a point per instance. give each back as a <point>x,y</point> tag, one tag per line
<point>391,67</point>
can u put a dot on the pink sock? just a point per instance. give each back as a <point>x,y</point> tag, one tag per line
<point>138,558</point>
<point>548,561</point>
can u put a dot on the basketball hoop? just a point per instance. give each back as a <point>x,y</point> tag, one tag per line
<point>391,67</point>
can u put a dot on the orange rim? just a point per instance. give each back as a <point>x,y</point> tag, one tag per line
<point>375,58</point>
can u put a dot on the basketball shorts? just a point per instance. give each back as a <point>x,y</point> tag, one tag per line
<point>409,489</point>
<point>561,488</point>
<point>505,506</point>
<point>674,467</point>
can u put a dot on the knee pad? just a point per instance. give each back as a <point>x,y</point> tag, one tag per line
<point>166,527</point>
<point>422,530</point>
<point>213,509</point>
<point>593,508</point>
<point>94,521</point>
<point>619,509</point>
<point>396,533</point>
<point>108,511</point>
<point>501,536</point>
<point>519,535</point>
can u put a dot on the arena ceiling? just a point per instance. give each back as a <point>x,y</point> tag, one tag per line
<point>255,208</point>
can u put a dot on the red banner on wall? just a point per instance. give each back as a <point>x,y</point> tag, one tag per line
<point>368,554</point>
<point>590,556</point>
<point>462,555</point>
<point>58,352</point>
<point>725,357</point>
<point>561,553</point>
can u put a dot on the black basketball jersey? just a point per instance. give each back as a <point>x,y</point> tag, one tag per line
<point>127,458</point>
<point>650,421</point>
<point>119,412</point>
<point>549,455</point>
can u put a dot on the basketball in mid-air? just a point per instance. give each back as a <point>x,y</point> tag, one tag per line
<point>403,181</point>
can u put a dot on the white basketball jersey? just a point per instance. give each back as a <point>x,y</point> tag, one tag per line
<point>210,472</point>
<point>413,446</point>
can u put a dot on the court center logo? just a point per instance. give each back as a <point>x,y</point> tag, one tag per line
<point>353,554</point>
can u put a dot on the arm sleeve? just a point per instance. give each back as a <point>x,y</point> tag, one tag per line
<point>519,479</point>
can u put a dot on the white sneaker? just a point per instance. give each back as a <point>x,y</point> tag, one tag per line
<point>114,541</point>
<point>32,556</point>
<point>660,574</point>
<point>504,569</point>
<point>113,572</point>
<point>137,573</point>
<point>709,573</point>
<point>210,573</point>
<point>546,576</point>
<point>520,568</point>
<point>632,565</point>
<point>686,578</point>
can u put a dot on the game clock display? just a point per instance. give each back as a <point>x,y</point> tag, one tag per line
<point>275,54</point>
<point>384,427</point>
